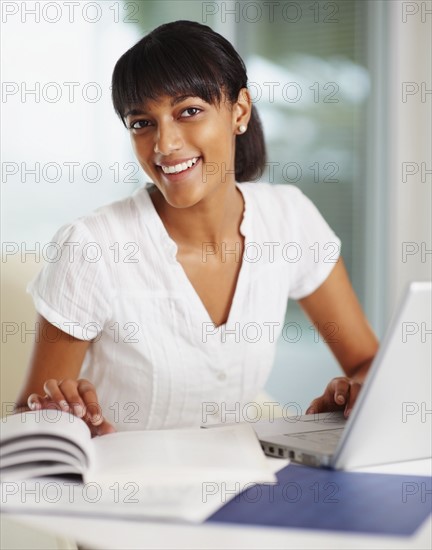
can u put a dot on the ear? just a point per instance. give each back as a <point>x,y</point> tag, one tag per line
<point>242,110</point>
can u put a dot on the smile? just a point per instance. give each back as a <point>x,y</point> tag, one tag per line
<point>178,168</point>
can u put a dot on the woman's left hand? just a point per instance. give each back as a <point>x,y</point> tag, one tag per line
<point>340,394</point>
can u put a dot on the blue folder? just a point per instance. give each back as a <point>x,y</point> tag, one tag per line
<point>313,498</point>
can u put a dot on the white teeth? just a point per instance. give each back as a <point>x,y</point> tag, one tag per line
<point>179,167</point>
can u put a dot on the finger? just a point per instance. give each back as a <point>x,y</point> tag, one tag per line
<point>341,390</point>
<point>88,394</point>
<point>70,392</point>
<point>104,428</point>
<point>38,402</point>
<point>52,389</point>
<point>354,391</point>
<point>315,406</point>
<point>34,402</point>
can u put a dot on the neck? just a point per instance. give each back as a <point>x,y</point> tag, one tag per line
<point>215,218</point>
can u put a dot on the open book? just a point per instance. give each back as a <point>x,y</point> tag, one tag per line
<point>52,442</point>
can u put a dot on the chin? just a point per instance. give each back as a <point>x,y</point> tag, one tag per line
<point>182,198</point>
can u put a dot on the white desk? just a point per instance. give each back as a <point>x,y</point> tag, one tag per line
<point>120,534</point>
<point>97,534</point>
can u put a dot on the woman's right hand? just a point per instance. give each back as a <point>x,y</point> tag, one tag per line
<point>77,397</point>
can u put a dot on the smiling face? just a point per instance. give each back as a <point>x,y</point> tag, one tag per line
<point>186,145</point>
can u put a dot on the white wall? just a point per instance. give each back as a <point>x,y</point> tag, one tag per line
<point>399,131</point>
<point>410,123</point>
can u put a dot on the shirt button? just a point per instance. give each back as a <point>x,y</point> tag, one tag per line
<point>221,376</point>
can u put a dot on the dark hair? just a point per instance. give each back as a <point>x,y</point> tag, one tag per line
<point>185,57</point>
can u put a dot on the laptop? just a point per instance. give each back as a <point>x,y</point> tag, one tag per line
<point>392,417</point>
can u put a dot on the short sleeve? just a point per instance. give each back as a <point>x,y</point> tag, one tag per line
<point>317,248</point>
<point>72,291</point>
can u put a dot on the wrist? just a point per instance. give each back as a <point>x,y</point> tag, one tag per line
<point>360,372</point>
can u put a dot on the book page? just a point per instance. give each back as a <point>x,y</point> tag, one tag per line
<point>179,502</point>
<point>38,455</point>
<point>43,442</point>
<point>189,455</point>
<point>44,438</point>
<point>46,421</point>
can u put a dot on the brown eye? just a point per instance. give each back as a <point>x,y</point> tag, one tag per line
<point>139,124</point>
<point>190,111</point>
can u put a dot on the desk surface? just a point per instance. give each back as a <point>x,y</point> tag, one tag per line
<point>120,534</point>
<point>100,534</point>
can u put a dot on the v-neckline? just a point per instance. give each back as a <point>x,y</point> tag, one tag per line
<point>171,248</point>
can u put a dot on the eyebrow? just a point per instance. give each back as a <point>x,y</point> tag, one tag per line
<point>174,101</point>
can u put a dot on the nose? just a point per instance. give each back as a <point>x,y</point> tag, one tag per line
<point>168,138</point>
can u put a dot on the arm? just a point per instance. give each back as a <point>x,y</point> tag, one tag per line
<point>52,378</point>
<point>334,307</point>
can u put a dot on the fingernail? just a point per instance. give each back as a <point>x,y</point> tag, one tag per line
<point>341,399</point>
<point>97,419</point>
<point>348,412</point>
<point>64,405</point>
<point>79,410</point>
<point>34,406</point>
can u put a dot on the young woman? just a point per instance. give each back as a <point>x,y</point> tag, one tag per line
<point>169,303</point>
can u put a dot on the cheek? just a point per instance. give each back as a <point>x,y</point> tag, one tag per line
<point>140,149</point>
<point>219,140</point>
<point>135,147</point>
<point>141,153</point>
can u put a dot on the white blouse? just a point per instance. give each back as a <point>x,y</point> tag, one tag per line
<point>156,360</point>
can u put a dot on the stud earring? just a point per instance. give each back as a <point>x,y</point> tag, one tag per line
<point>242,128</point>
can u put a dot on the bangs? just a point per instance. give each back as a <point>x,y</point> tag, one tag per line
<point>168,65</point>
